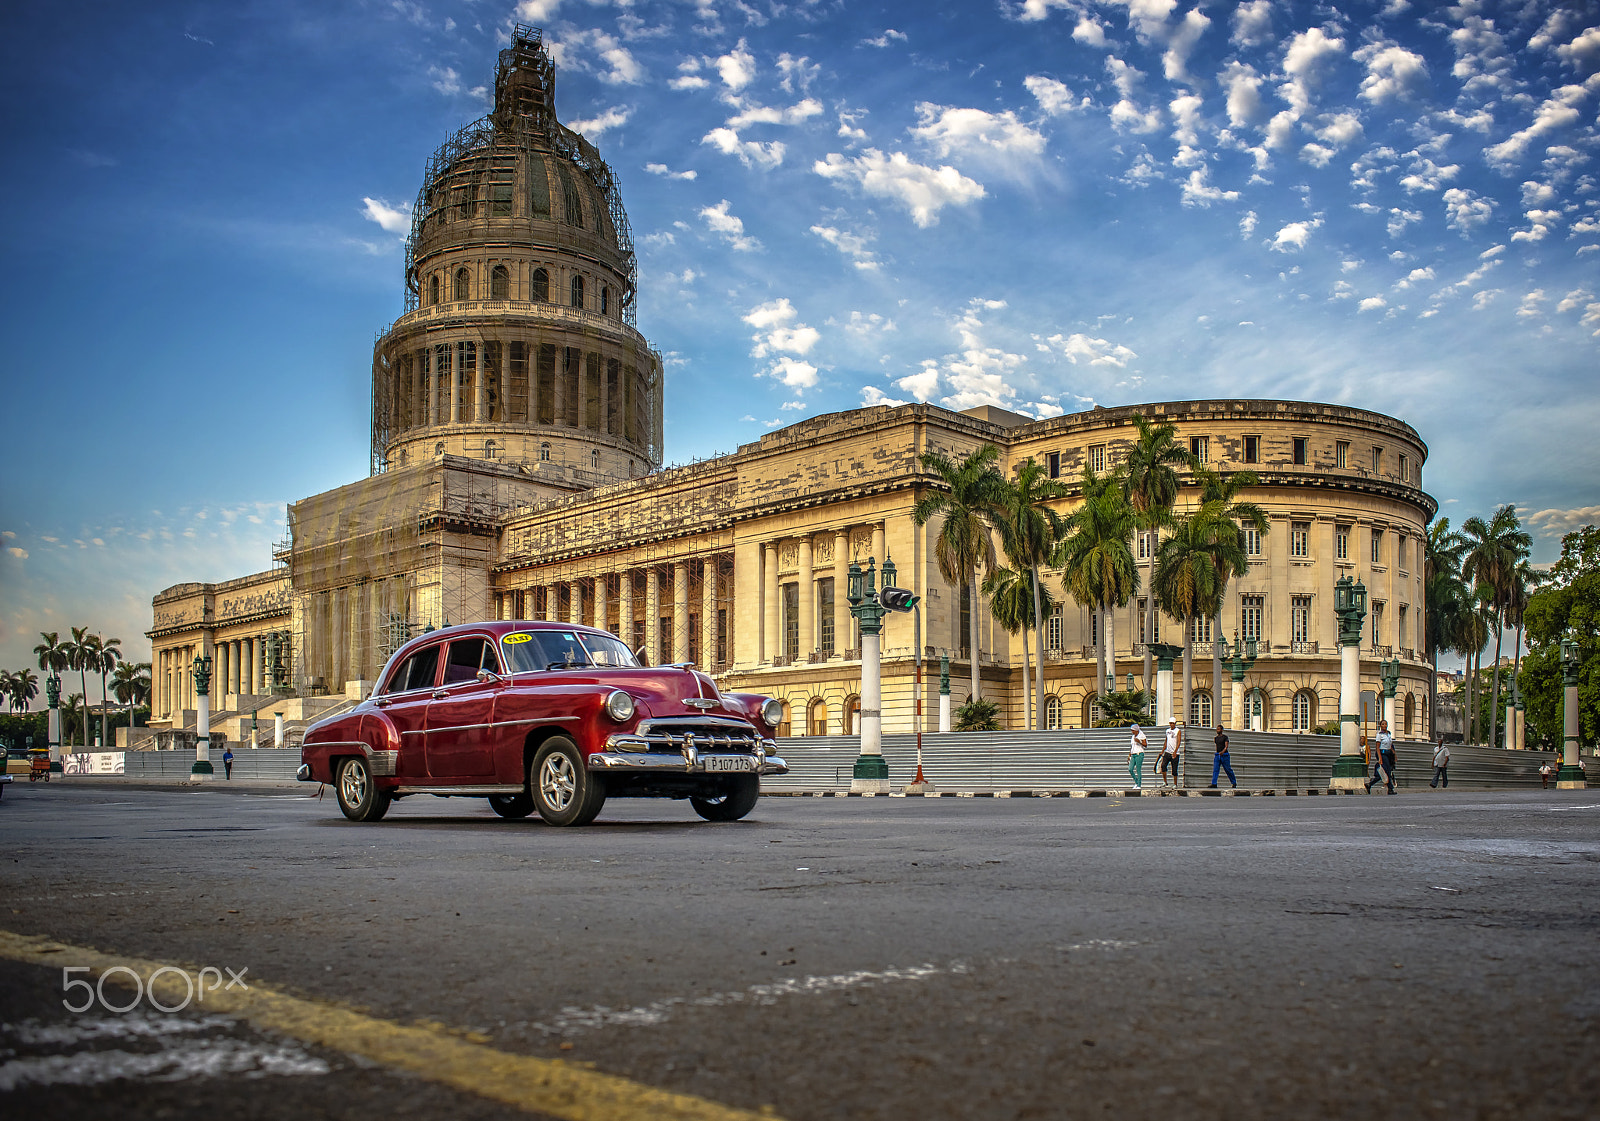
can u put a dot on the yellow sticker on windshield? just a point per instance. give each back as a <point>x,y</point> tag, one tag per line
<point>513,639</point>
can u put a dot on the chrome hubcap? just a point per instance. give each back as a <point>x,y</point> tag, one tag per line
<point>557,782</point>
<point>353,784</point>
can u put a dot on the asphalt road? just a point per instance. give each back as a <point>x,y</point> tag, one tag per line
<point>1426,955</point>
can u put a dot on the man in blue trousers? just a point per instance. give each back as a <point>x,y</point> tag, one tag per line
<point>1220,761</point>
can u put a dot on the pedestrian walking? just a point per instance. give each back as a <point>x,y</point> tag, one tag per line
<point>1544,776</point>
<point>1219,762</point>
<point>1441,764</point>
<point>227,762</point>
<point>1136,745</point>
<point>1171,752</point>
<point>1383,759</point>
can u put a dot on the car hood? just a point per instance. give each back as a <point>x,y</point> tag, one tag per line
<point>665,690</point>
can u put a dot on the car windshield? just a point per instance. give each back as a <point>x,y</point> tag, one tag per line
<point>526,651</point>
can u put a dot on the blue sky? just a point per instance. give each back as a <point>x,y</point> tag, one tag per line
<point>1046,205</point>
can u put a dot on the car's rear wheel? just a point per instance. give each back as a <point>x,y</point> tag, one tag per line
<point>359,797</point>
<point>737,799</point>
<point>511,806</point>
<point>564,792</point>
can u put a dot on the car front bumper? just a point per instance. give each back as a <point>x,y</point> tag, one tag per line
<point>632,754</point>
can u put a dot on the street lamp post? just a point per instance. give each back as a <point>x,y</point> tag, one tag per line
<point>201,771</point>
<point>52,694</point>
<point>1350,605</point>
<point>871,773</point>
<point>944,692</point>
<point>1244,657</point>
<point>1571,776</point>
<point>1390,671</point>
<point>1165,654</point>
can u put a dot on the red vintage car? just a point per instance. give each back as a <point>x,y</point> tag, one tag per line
<point>548,717</point>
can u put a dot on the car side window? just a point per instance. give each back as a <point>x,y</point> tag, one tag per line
<point>416,672</point>
<point>467,657</point>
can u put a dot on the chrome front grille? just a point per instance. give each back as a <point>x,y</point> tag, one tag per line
<point>717,735</point>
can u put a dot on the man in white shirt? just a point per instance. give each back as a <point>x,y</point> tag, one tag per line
<point>1171,752</point>
<point>1441,764</point>
<point>1383,759</point>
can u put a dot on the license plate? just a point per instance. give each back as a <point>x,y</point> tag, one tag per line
<point>727,762</point>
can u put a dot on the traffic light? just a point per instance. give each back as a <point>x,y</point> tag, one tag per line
<point>898,599</point>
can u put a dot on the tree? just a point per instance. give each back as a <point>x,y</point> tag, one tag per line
<point>1029,530</point>
<point>1011,599</point>
<point>1523,582</point>
<point>107,655</point>
<point>21,688</point>
<point>72,710</point>
<point>1566,607</point>
<point>1444,602</point>
<point>83,655</point>
<point>52,653</point>
<point>1186,579</point>
<point>971,505</point>
<point>1150,480</point>
<point>978,715</point>
<point>1122,709</point>
<point>1494,550</point>
<point>1096,560</point>
<point>131,684</point>
<point>1228,555</point>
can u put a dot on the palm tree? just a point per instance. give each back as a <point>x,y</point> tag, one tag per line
<point>1120,710</point>
<point>1186,579</point>
<point>1228,556</point>
<point>71,712</point>
<point>107,654</point>
<point>131,684</point>
<point>22,687</point>
<point>1524,582</point>
<point>1097,562</point>
<point>1028,533</point>
<point>52,653</point>
<point>1475,624</point>
<point>1011,602</point>
<point>971,504</point>
<point>1444,602</point>
<point>1150,480</point>
<point>83,654</point>
<point>1494,549</point>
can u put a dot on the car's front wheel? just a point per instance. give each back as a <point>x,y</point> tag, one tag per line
<point>511,806</point>
<point>359,797</point>
<point>738,798</point>
<point>564,792</point>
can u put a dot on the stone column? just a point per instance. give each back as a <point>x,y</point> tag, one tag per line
<point>431,407</point>
<point>480,401</point>
<point>771,639</point>
<point>602,609</point>
<point>1570,776</point>
<point>843,638</point>
<point>652,614</point>
<point>708,613</point>
<point>1164,659</point>
<point>236,668</point>
<point>808,602</point>
<point>277,729</point>
<point>1237,720</point>
<point>575,606</point>
<point>456,364</point>
<point>1351,768</point>
<point>680,611</point>
<point>878,548</point>
<point>944,692</point>
<point>625,606</point>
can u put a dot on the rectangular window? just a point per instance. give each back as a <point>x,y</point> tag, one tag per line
<point>1052,630</point>
<point>1400,551</point>
<point>791,622</point>
<point>1252,541</point>
<point>1400,627</point>
<point>694,638</point>
<point>1146,545</point>
<point>1301,455</point>
<point>965,636</point>
<point>1377,546</point>
<point>1094,628</point>
<point>1299,539</point>
<point>1341,543</point>
<point>1200,448</point>
<point>1377,622</point>
<point>1155,635</point>
<point>1252,449</point>
<point>1341,454</point>
<point>1405,469</point>
<point>1377,461</point>
<point>722,636</point>
<point>1251,608</point>
<point>1300,618</point>
<point>1053,464</point>
<point>1200,631</point>
<point>664,640</point>
<point>1097,458</point>
<point>825,616</point>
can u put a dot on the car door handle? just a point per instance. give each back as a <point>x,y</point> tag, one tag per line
<point>383,703</point>
<point>440,694</point>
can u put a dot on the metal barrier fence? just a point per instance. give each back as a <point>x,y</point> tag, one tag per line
<point>989,762</point>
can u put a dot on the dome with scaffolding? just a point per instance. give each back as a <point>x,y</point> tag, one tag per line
<point>519,343</point>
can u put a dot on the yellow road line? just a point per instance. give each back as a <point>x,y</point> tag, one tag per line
<point>548,1086</point>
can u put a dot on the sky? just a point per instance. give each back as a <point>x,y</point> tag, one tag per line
<point>1039,204</point>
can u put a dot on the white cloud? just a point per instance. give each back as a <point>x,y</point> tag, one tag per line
<point>1372,303</point>
<point>1577,298</point>
<point>1428,176</point>
<point>1244,93</point>
<point>1092,351</point>
<point>1247,224</point>
<point>1090,32</point>
<point>16,551</point>
<point>1583,51</point>
<point>1417,276</point>
<point>1127,115</point>
<point>768,115</point>
<point>1400,219</point>
<point>1199,192</point>
<point>779,336</point>
<point>1557,112</point>
<point>1529,308</point>
<point>1181,42</point>
<point>751,153</point>
<point>854,246</point>
<point>1317,155</point>
<point>445,80</point>
<point>993,137</point>
<point>731,227</point>
<point>614,117</point>
<point>664,170</point>
<point>1252,23</point>
<point>796,73</point>
<point>889,35</point>
<point>866,323</point>
<point>737,68</point>
<point>1464,210</point>
<point>1294,235</point>
<point>617,64</point>
<point>1053,96</point>
<point>537,11</point>
<point>1392,72</point>
<point>792,372</point>
<point>393,219</point>
<point>871,395</point>
<point>923,384</point>
<point>922,190</point>
<point>1304,63</point>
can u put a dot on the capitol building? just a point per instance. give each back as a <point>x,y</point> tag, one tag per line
<point>517,452</point>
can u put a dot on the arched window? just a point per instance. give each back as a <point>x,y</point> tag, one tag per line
<point>852,715</point>
<point>463,285</point>
<point>541,286</point>
<point>784,725</point>
<point>1255,708</point>
<point>594,459</point>
<point>438,449</point>
<point>433,289</point>
<point>1200,709</point>
<point>1408,728</point>
<point>544,453</point>
<point>1091,710</point>
<point>488,449</point>
<point>605,300</point>
<point>1052,712</point>
<point>817,717</point>
<point>500,283</point>
<point>1303,711</point>
<point>577,291</point>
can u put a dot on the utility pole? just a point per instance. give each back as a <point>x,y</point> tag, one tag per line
<point>1350,605</point>
<point>871,774</point>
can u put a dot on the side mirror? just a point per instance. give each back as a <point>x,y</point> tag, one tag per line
<point>489,675</point>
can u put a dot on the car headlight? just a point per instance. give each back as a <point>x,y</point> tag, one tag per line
<point>619,706</point>
<point>772,712</point>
